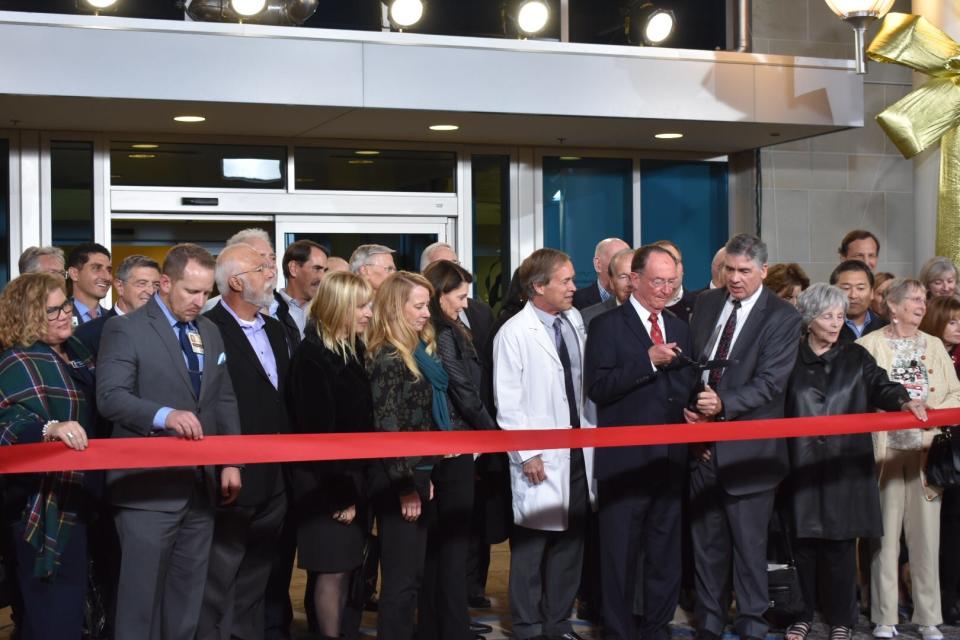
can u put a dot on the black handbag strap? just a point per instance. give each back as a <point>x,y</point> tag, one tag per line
<point>785,535</point>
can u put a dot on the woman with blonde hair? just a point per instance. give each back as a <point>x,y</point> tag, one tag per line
<point>939,276</point>
<point>46,394</point>
<point>328,392</point>
<point>919,362</point>
<point>409,387</point>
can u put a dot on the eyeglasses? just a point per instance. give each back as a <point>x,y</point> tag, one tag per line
<point>144,284</point>
<point>57,272</point>
<point>260,269</point>
<point>658,283</point>
<point>53,313</point>
<point>387,268</point>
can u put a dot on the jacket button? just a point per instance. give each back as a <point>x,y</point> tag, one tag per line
<point>932,389</point>
<point>930,371</point>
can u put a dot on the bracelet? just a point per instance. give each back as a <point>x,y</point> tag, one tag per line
<point>45,433</point>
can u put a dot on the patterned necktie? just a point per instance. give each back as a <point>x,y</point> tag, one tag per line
<point>723,348</point>
<point>567,372</point>
<point>655,334</point>
<point>193,362</point>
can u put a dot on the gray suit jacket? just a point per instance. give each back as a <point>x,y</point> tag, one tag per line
<point>595,310</point>
<point>140,370</point>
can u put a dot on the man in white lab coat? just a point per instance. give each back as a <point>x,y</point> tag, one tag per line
<point>537,368</point>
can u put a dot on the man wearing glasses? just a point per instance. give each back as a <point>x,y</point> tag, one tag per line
<point>373,263</point>
<point>138,278</point>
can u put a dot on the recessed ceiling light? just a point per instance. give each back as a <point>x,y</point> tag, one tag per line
<point>570,158</point>
<point>367,152</point>
<point>189,118</point>
<point>305,180</point>
<point>141,156</point>
<point>668,136</point>
<point>359,161</point>
<point>444,127</point>
<point>144,145</point>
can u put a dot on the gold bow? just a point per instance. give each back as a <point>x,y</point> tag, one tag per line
<point>929,113</point>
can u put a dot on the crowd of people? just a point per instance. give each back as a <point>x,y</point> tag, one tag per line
<point>177,553</point>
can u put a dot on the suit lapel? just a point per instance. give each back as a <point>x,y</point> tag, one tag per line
<point>711,306</point>
<point>633,321</point>
<point>167,338</point>
<point>278,342</point>
<point>540,332</point>
<point>230,330</point>
<point>210,358</point>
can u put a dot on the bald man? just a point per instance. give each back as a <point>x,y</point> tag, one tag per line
<point>601,290</point>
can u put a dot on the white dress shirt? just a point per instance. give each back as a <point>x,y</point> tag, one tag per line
<point>746,306</point>
<point>644,314</point>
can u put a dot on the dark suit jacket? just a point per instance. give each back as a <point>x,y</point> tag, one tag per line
<point>595,310</point>
<point>89,332</point>
<point>290,328</point>
<point>620,379</point>
<point>753,387</point>
<point>684,307</point>
<point>76,313</point>
<point>480,317</point>
<point>587,297</point>
<point>262,408</point>
<point>847,334</point>
<point>141,369</point>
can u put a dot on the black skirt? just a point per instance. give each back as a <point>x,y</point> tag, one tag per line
<point>327,546</point>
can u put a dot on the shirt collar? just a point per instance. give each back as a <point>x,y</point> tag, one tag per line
<point>546,318</point>
<point>291,300</point>
<point>256,323</point>
<point>166,311</point>
<point>82,309</point>
<point>641,310</point>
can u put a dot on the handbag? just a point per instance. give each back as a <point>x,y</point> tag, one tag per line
<point>783,585</point>
<point>942,468</point>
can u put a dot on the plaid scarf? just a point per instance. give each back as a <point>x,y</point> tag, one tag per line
<point>36,387</point>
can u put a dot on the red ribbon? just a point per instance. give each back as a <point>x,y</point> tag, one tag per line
<point>137,453</point>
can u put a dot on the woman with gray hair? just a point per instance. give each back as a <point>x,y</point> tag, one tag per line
<point>939,276</point>
<point>920,363</point>
<point>831,495</point>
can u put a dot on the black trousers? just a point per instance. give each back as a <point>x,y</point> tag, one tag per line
<point>730,541</point>
<point>443,613</point>
<point>278,611</point>
<point>545,566</point>
<point>827,570</point>
<point>950,548</point>
<point>241,559</point>
<point>54,608</point>
<point>639,518</point>
<point>403,547</point>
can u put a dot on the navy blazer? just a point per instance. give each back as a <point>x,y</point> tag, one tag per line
<point>89,332</point>
<point>587,297</point>
<point>620,379</point>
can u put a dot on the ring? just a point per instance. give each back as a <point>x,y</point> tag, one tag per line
<point>70,435</point>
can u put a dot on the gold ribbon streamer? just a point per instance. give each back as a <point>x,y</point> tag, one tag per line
<point>930,113</point>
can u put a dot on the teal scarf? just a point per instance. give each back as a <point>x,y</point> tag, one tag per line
<point>435,374</point>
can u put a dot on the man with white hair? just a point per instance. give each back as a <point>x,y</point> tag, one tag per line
<point>246,533</point>
<point>373,263</point>
<point>601,290</point>
<point>43,260</point>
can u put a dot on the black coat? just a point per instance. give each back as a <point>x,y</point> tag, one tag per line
<point>261,406</point>
<point>460,360</point>
<point>89,332</point>
<point>620,379</point>
<point>587,297</point>
<point>683,309</point>
<point>290,328</point>
<point>327,395</point>
<point>480,317</point>
<point>832,488</point>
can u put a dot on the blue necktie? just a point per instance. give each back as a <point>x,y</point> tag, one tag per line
<point>193,362</point>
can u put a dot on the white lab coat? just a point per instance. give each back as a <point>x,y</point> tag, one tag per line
<point>531,394</point>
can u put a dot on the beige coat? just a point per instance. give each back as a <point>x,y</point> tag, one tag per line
<point>944,388</point>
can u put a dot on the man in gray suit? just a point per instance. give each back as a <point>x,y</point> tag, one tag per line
<point>162,372</point>
<point>732,484</point>
<point>619,274</point>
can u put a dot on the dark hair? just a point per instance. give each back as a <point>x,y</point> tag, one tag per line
<point>177,258</point>
<point>642,255</point>
<point>748,246</point>
<point>940,311</point>
<point>514,300</point>
<point>853,236</point>
<point>81,254</point>
<point>445,276</point>
<point>538,268</point>
<point>299,252</point>
<point>133,262</point>
<point>851,265</point>
<point>786,275</point>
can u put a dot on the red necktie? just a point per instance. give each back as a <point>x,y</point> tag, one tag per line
<point>655,333</point>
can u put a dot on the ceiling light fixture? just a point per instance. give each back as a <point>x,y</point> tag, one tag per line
<point>859,14</point>
<point>649,26</point>
<point>570,158</point>
<point>97,5</point>
<point>189,118</point>
<point>444,127</point>
<point>144,145</point>
<point>248,8</point>
<point>359,161</point>
<point>532,16</point>
<point>366,152</point>
<point>668,136</point>
<point>141,156</point>
<point>403,14</point>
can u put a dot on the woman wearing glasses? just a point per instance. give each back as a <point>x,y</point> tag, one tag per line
<point>46,388</point>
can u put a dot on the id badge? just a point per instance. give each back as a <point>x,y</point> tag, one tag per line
<point>195,343</point>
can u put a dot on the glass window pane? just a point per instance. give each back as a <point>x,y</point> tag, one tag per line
<point>491,228</point>
<point>71,195</point>
<point>168,164</point>
<point>4,212</point>
<point>372,169</point>
<point>407,246</point>
<point>584,201</point>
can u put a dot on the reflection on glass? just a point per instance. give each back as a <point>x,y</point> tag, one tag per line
<point>4,212</point>
<point>71,194</point>
<point>585,201</point>
<point>148,163</point>
<point>366,169</point>
<point>491,228</point>
<point>407,246</point>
